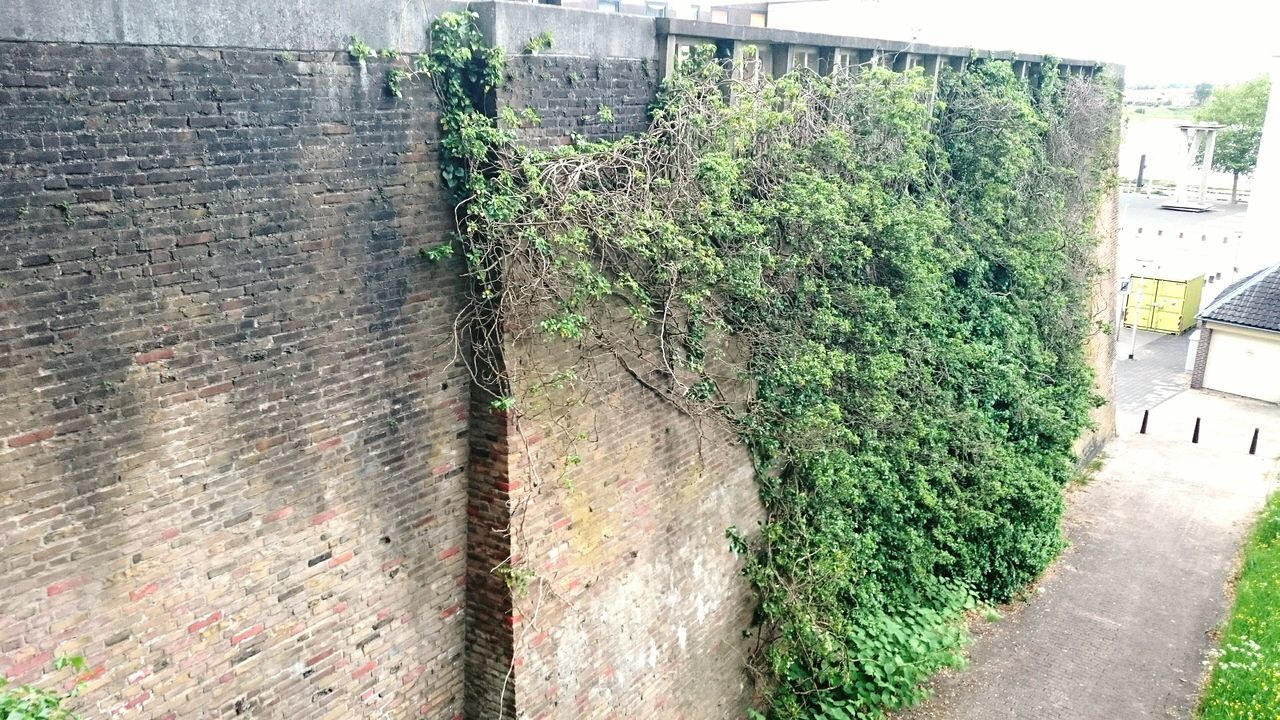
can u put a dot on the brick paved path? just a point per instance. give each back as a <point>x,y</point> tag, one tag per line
<point>1155,373</point>
<point>1119,627</point>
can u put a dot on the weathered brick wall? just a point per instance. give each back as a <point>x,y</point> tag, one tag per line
<point>597,98</point>
<point>635,606</point>
<point>1101,347</point>
<point>243,472</point>
<point>627,600</point>
<point>1202,356</point>
<point>233,443</point>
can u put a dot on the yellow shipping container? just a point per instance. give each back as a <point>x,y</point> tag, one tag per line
<point>1162,304</point>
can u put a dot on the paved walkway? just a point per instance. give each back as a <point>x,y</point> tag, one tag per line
<point>1119,627</point>
<point>1156,372</point>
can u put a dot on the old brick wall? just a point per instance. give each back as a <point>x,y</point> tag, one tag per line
<point>635,606</point>
<point>243,471</point>
<point>1101,348</point>
<point>628,601</point>
<point>233,444</point>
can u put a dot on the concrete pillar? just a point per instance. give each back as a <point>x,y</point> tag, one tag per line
<point>1210,141</point>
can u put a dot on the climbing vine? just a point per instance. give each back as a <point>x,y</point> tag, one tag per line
<point>881,289</point>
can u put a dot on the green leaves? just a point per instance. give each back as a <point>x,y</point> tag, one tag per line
<point>28,702</point>
<point>1241,108</point>
<point>898,287</point>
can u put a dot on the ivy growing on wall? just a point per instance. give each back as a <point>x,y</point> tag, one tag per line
<point>881,289</point>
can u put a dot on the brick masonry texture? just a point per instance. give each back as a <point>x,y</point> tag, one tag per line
<point>638,608</point>
<point>1202,356</point>
<point>616,507</point>
<point>243,471</point>
<point>1101,348</point>
<point>568,94</point>
<point>233,441</point>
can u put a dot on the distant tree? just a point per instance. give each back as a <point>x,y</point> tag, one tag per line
<point>1241,108</point>
<point>1203,91</point>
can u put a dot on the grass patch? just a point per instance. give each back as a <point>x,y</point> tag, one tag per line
<point>1085,475</point>
<point>1159,113</point>
<point>1245,683</point>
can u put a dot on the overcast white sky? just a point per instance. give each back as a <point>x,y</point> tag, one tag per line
<point>1159,41</point>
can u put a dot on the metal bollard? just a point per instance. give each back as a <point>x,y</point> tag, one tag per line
<point>1253,445</point>
<point>1195,434</point>
<point>1145,414</point>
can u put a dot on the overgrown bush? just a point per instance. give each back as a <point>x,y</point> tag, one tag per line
<point>28,702</point>
<point>884,293</point>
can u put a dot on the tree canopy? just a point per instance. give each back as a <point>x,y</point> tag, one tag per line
<point>1241,108</point>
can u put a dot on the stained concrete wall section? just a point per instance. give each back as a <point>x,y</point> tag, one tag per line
<point>276,24</point>
<point>579,33</point>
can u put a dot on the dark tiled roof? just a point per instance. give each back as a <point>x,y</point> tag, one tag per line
<point>1253,301</point>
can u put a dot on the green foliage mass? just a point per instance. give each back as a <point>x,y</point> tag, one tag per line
<point>28,702</point>
<point>901,281</point>
<point>1241,108</point>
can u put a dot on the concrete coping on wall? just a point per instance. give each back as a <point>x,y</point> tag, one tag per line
<point>746,35</point>
<point>402,25</point>
<point>577,33</point>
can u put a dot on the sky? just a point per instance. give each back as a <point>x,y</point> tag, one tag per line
<point>1158,41</point>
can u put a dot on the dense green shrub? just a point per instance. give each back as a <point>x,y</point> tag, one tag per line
<point>900,281</point>
<point>28,702</point>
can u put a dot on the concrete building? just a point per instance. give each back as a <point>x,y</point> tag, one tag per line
<point>754,14</point>
<point>1239,344</point>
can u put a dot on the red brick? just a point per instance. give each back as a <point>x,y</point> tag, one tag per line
<point>323,517</point>
<point>251,632</point>
<point>137,700</point>
<point>30,438</point>
<point>199,625</point>
<point>336,561</point>
<point>319,658</point>
<point>22,667</point>
<point>449,611</point>
<point>449,552</point>
<point>365,669</point>
<point>142,592</point>
<point>392,564</point>
<point>64,585</point>
<point>331,442</point>
<point>168,534</point>
<point>154,356</point>
<point>561,524</point>
<point>275,515</point>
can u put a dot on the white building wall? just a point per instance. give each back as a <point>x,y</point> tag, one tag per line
<point>1243,362</point>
